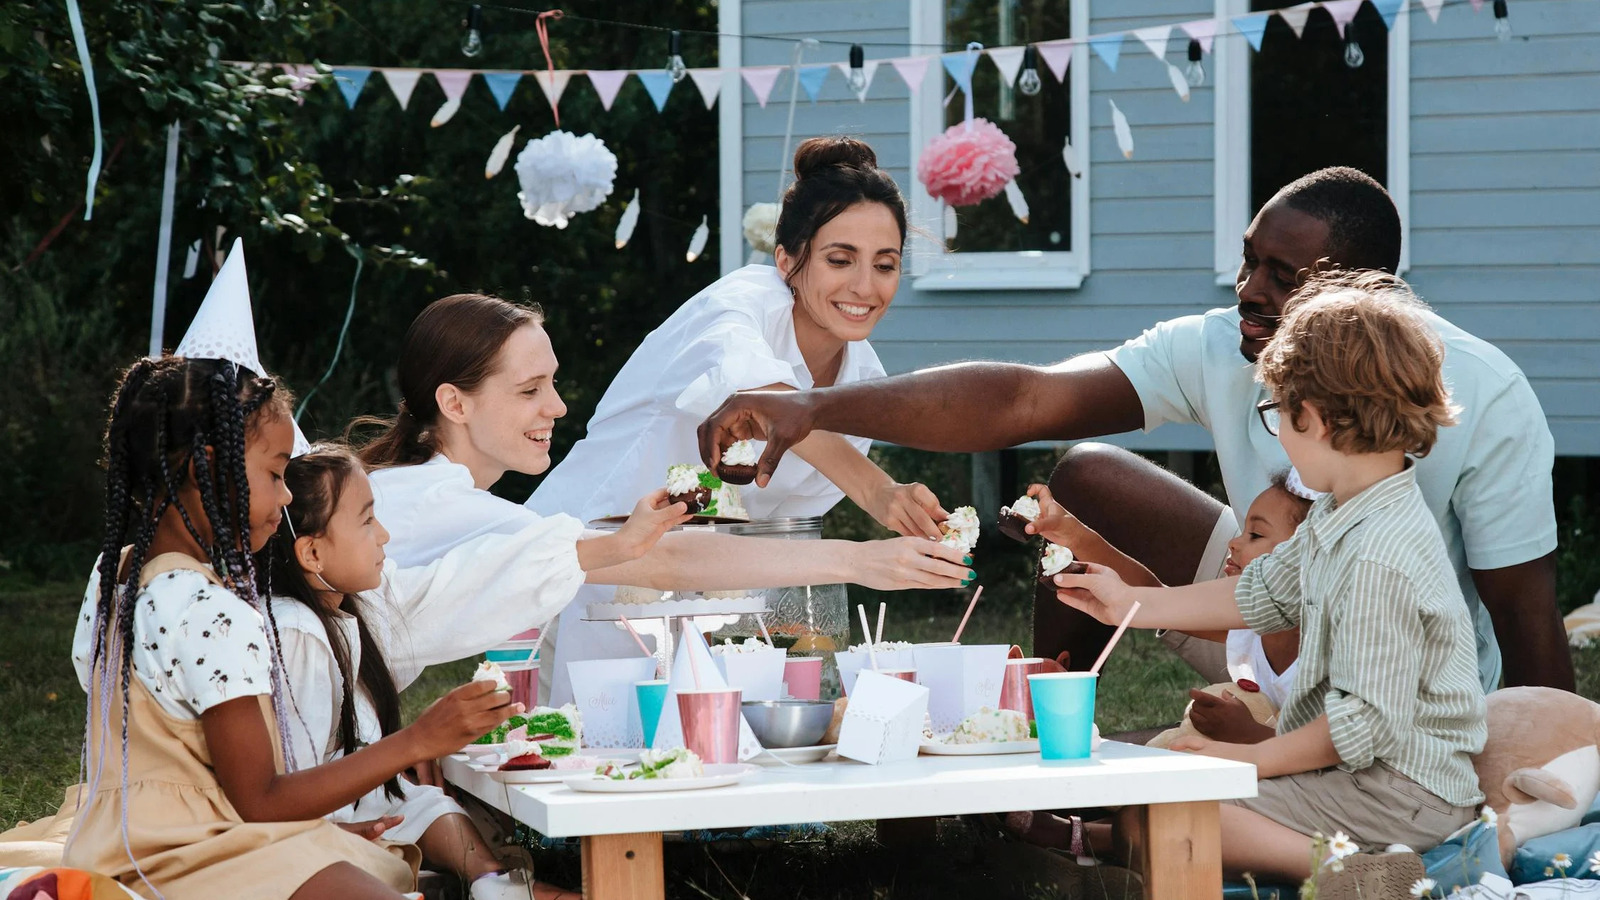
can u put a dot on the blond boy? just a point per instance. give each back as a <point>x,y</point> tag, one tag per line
<point>1376,738</point>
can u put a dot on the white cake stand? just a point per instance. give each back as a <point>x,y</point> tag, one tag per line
<point>662,619</point>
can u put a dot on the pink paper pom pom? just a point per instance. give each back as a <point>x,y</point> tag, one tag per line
<point>965,165</point>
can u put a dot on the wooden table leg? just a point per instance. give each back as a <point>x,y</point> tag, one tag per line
<point>623,867</point>
<point>1182,851</point>
<point>908,834</point>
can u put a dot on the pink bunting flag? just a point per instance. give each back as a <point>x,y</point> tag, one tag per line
<point>914,69</point>
<point>1477,5</point>
<point>1056,56</point>
<point>452,81</point>
<point>1343,11</point>
<point>402,82</point>
<point>554,84</point>
<point>1202,30</point>
<point>709,81</point>
<point>1155,39</point>
<point>1296,16</point>
<point>606,84</point>
<point>761,80</point>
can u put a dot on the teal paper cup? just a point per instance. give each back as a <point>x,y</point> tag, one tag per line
<point>652,696</point>
<point>1063,707</point>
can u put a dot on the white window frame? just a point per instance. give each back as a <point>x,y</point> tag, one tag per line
<point>1026,270</point>
<point>730,137</point>
<point>1231,62</point>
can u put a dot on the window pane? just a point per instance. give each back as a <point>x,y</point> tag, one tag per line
<point>1309,109</point>
<point>1038,125</point>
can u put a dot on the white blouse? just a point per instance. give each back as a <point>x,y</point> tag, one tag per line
<point>1247,659</point>
<point>196,644</point>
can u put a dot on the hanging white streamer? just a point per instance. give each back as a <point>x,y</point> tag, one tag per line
<point>446,112</point>
<point>158,302</point>
<point>191,262</point>
<point>630,219</point>
<point>1019,203</point>
<point>950,224</point>
<point>1180,83</point>
<point>1119,123</point>
<point>82,42</point>
<point>1069,156</point>
<point>501,153</point>
<point>697,243</point>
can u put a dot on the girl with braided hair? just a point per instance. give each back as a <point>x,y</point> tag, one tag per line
<point>187,794</point>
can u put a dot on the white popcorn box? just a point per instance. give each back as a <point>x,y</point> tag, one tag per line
<point>603,691</point>
<point>759,674</point>
<point>852,661</point>
<point>883,723</point>
<point>961,679</point>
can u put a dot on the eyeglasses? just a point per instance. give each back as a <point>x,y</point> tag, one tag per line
<point>1268,411</point>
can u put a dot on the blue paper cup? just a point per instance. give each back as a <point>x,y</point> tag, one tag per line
<point>652,696</point>
<point>1063,707</point>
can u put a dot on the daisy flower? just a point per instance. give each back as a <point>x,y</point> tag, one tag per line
<point>1341,845</point>
<point>1490,817</point>
<point>1594,863</point>
<point>1561,861</point>
<point>1423,887</point>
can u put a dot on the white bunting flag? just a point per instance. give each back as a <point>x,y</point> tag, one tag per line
<point>501,152</point>
<point>606,84</point>
<point>1432,6</point>
<point>1296,16</point>
<point>1119,123</point>
<point>630,218</point>
<point>554,84</point>
<point>869,68</point>
<point>1155,39</point>
<point>402,82</point>
<point>761,80</point>
<point>709,81</point>
<point>1009,61</point>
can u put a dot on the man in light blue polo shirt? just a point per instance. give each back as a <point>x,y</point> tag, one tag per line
<point>1488,481</point>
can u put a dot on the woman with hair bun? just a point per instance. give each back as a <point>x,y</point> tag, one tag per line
<point>802,324</point>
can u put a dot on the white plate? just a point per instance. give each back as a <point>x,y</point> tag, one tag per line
<point>554,775</point>
<point>794,756</point>
<point>938,748</point>
<point>719,775</point>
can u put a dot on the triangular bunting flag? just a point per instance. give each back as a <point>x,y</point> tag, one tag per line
<point>402,82</point>
<point>606,84</point>
<point>1432,6</point>
<point>869,68</point>
<point>1296,16</point>
<point>659,83</point>
<point>302,74</point>
<point>1253,27</point>
<point>1343,11</point>
<point>761,79</point>
<point>959,65</point>
<point>350,82</point>
<point>452,81</point>
<point>1389,9</point>
<point>560,77</point>
<point>1155,39</point>
<point>1009,61</point>
<point>1477,5</point>
<point>1056,55</point>
<point>1202,30</point>
<point>914,69</point>
<point>501,84</point>
<point>811,78</point>
<point>1108,47</point>
<point>709,81</point>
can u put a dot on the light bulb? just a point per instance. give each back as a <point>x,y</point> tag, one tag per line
<point>1502,21</point>
<point>472,44</point>
<point>1353,57</point>
<point>266,10</point>
<point>1029,84</point>
<point>675,66</point>
<point>858,75</point>
<point>1195,72</point>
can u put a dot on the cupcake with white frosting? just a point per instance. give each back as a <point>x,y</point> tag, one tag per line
<point>739,463</point>
<point>960,530</point>
<point>1014,519</point>
<point>1057,560</point>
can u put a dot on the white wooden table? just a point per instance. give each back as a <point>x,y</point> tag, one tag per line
<point>621,833</point>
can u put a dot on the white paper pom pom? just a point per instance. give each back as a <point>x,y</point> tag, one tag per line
<point>761,227</point>
<point>562,175</point>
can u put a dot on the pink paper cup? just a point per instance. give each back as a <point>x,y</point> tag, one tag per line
<point>802,677</point>
<point>711,723</point>
<point>1014,693</point>
<point>524,685</point>
<point>902,674</point>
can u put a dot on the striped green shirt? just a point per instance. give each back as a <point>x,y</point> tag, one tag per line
<point>1386,645</point>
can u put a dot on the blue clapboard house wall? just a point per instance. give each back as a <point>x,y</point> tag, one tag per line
<point>1494,158</point>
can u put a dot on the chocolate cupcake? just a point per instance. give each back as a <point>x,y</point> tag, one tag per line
<point>1014,519</point>
<point>738,464</point>
<point>689,485</point>
<point>1057,560</point>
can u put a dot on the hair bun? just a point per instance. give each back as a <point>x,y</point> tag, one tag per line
<point>821,152</point>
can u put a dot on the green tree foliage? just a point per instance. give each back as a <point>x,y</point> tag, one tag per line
<point>309,184</point>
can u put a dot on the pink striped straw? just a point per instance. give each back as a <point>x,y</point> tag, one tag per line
<point>963,626</point>
<point>761,621</point>
<point>694,665</point>
<point>636,638</point>
<point>1117,636</point>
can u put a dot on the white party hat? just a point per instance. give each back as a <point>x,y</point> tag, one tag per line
<point>224,326</point>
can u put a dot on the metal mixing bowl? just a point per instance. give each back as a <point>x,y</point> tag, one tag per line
<point>788,723</point>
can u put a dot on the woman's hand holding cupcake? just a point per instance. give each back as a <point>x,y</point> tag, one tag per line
<point>909,509</point>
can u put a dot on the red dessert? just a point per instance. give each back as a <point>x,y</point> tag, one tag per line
<point>525,762</point>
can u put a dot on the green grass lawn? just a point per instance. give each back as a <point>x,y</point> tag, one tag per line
<point>42,708</point>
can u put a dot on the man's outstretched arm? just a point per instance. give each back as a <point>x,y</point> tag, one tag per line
<point>1521,600</point>
<point>962,408</point>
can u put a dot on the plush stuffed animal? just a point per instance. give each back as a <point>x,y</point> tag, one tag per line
<point>1540,769</point>
<point>1261,709</point>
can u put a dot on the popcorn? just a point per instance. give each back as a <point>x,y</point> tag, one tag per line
<point>748,645</point>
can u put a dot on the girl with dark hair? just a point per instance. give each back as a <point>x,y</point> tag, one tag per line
<point>356,630</point>
<point>187,794</point>
<point>840,234</point>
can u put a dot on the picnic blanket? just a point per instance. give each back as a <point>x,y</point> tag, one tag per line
<point>42,883</point>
